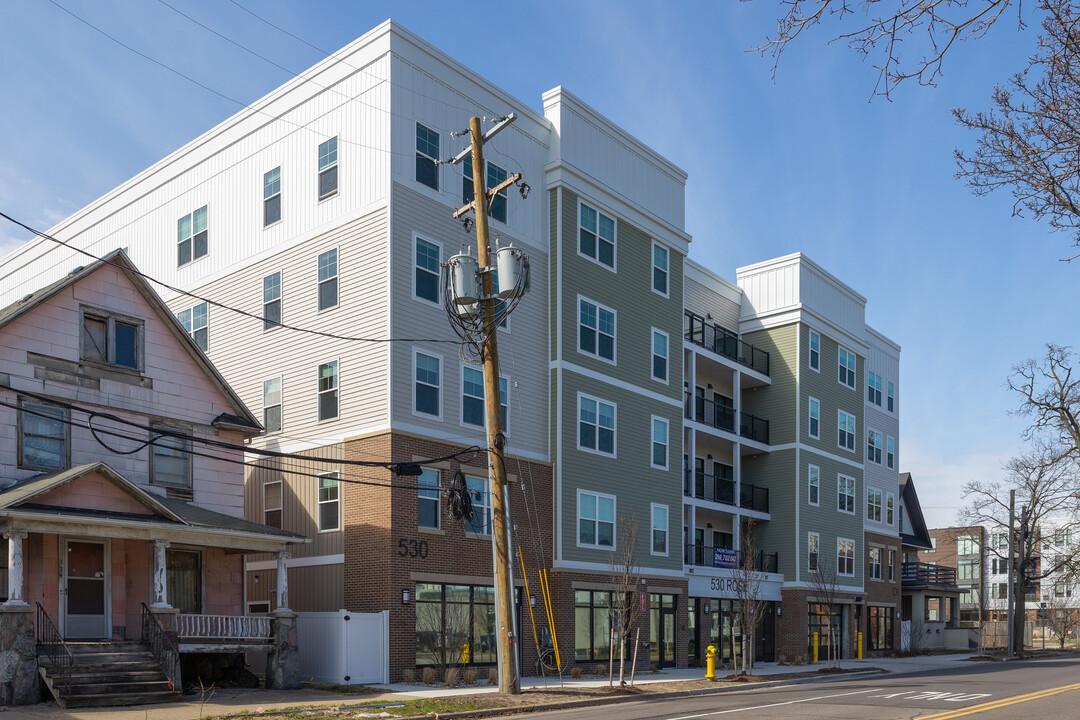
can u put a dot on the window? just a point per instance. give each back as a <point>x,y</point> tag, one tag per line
<point>272,405</point>
<point>427,389</point>
<point>596,236</point>
<point>170,458</point>
<point>191,235</point>
<point>879,634</point>
<point>845,557</point>
<point>890,452</point>
<point>660,269</point>
<point>43,436</point>
<point>329,502</point>
<point>473,409</point>
<point>875,563</point>
<point>427,156</point>
<point>107,338</point>
<point>592,625</point>
<point>812,541</point>
<point>815,417</point>
<point>328,390</point>
<point>659,355</point>
<point>890,398</point>
<point>272,301</point>
<point>481,500</point>
<point>328,168</point>
<point>967,569</point>
<point>272,197</point>
<point>873,388</point>
<point>196,322</point>
<point>659,529</point>
<point>426,277</point>
<point>892,565</point>
<point>814,484</point>
<point>873,504</point>
<point>846,368</point>
<point>659,442</point>
<point>890,503</point>
<point>967,545</point>
<point>452,617</point>
<point>427,498</point>
<point>815,351</point>
<point>845,436</point>
<point>1062,589</point>
<point>845,494</point>
<point>1063,536</point>
<point>873,446</point>
<point>495,175</point>
<point>596,330</point>
<point>272,503</point>
<point>933,609</point>
<point>596,425</point>
<point>596,519</point>
<point>328,279</point>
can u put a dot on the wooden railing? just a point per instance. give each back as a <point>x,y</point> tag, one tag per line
<point>51,643</point>
<point>222,627</point>
<point>918,573</point>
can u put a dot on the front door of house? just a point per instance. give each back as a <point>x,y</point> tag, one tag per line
<point>85,586</point>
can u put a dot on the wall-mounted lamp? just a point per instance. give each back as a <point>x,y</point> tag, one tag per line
<point>532,600</point>
<point>273,591</point>
<point>708,525</point>
<point>404,597</point>
<point>256,579</point>
<point>778,610</point>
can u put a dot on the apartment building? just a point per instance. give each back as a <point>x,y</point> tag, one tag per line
<point>964,550</point>
<point>637,388</point>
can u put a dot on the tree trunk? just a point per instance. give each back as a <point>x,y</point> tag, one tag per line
<point>1019,619</point>
<point>622,658</point>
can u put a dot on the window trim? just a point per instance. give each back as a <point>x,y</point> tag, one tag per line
<point>840,540</point>
<point>870,564</point>
<point>815,554</point>
<point>614,430</point>
<point>442,382</point>
<point>811,400</point>
<point>337,390</point>
<point>267,199</point>
<point>281,503</point>
<point>871,376</point>
<point>189,484</point>
<point>878,447</point>
<point>890,452</point>
<point>890,397</point>
<point>813,472</point>
<point>653,268</point>
<point>874,508</point>
<point>437,499</point>
<point>111,318</point>
<point>280,301</point>
<point>596,529</point>
<point>191,238</point>
<point>336,278</point>
<point>852,433</point>
<point>892,565</point>
<point>319,502</point>
<point>415,238</point>
<point>811,352</point>
<point>191,333</point>
<point>21,433</point>
<point>854,494</point>
<point>280,404</point>
<point>890,508</point>
<point>614,337</point>
<point>849,372</point>
<point>653,507</point>
<point>652,355</point>
<point>490,525</point>
<point>652,442</point>
<point>483,400</point>
<point>434,160</point>
<point>614,267</point>
<point>320,170</point>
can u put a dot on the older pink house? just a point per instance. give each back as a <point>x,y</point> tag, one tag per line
<point>121,499</point>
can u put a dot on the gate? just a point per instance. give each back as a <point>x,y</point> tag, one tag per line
<point>344,647</point>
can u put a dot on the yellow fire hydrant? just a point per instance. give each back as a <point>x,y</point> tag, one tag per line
<point>465,654</point>
<point>710,662</point>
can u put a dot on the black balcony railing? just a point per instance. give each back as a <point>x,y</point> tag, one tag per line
<point>917,574</point>
<point>722,417</point>
<point>717,557</point>
<point>724,342</point>
<point>753,497</point>
<point>716,487</point>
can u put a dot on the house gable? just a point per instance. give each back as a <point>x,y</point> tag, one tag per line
<point>93,491</point>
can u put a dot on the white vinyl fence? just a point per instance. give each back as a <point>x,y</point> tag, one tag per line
<point>344,647</point>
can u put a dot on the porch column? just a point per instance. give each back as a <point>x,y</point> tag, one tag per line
<point>161,599</point>
<point>283,580</point>
<point>15,568</point>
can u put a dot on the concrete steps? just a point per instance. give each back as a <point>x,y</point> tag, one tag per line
<point>108,674</point>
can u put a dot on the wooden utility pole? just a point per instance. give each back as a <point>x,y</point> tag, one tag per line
<point>1011,591</point>
<point>508,680</point>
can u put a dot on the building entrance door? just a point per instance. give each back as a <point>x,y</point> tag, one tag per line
<point>85,585</point>
<point>662,630</point>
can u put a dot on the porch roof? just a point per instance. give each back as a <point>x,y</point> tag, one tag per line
<point>167,519</point>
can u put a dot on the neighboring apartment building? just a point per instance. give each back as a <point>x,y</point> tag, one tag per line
<point>930,600</point>
<point>1059,591</point>
<point>635,384</point>
<point>962,548</point>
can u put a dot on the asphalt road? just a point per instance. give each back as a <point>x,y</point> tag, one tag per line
<point>1035,689</point>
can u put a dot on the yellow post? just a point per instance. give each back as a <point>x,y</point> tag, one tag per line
<point>465,654</point>
<point>710,662</point>
<point>860,645</point>
<point>815,647</point>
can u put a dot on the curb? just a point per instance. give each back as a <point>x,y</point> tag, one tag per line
<point>496,712</point>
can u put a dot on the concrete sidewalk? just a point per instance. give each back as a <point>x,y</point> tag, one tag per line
<point>237,700</point>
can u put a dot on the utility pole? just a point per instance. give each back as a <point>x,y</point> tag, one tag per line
<point>508,680</point>
<point>1012,561</point>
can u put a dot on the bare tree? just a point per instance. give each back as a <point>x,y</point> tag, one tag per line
<point>748,581</point>
<point>1062,616</point>
<point>442,632</point>
<point>1045,480</point>
<point>1050,395</point>
<point>625,585</point>
<point>826,591</point>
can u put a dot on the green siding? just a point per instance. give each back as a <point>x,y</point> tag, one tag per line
<point>553,268</point>
<point>826,519</point>
<point>775,470</point>
<point>775,402</point>
<point>833,396</point>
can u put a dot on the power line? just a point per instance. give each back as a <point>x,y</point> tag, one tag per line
<point>215,303</point>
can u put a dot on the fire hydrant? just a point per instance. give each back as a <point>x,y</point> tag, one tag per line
<point>710,662</point>
<point>465,654</point>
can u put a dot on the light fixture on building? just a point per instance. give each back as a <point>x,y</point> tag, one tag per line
<point>532,600</point>
<point>256,579</point>
<point>777,610</point>
<point>404,597</point>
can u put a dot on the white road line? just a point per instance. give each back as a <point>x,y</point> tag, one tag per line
<point>772,705</point>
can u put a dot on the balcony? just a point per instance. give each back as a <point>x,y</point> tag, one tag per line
<point>721,489</point>
<point>722,417</point>
<point>717,557</point>
<point>915,575</point>
<point>725,343</point>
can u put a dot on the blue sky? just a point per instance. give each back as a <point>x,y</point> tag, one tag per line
<point>806,163</point>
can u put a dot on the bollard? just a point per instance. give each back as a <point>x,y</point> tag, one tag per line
<point>860,645</point>
<point>710,662</point>
<point>465,654</point>
<point>815,647</point>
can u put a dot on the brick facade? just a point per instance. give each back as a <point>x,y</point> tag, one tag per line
<point>884,592</point>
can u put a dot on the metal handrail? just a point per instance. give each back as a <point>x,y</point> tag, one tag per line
<point>715,487</point>
<point>722,417</point>
<point>52,644</point>
<point>705,556</point>
<point>724,342</point>
<point>157,637</point>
